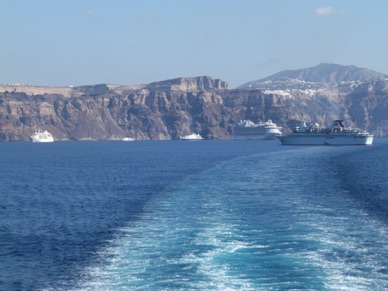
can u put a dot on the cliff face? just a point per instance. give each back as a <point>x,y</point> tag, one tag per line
<point>368,103</point>
<point>169,109</point>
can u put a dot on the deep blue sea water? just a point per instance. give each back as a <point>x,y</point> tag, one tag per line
<point>204,215</point>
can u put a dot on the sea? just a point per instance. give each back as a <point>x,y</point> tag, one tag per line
<point>193,215</point>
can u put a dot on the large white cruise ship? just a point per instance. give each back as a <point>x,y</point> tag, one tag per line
<point>336,134</point>
<point>246,129</point>
<point>42,136</point>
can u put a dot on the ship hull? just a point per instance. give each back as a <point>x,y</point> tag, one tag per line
<point>350,140</point>
<point>37,139</point>
<point>298,139</point>
<point>268,136</point>
<point>193,136</point>
<point>326,139</point>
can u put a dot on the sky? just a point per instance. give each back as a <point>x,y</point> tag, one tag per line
<point>132,42</point>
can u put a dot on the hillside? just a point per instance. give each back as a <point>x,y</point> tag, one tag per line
<point>323,75</point>
<point>172,108</point>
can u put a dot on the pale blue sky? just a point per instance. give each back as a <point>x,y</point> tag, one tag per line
<point>84,42</point>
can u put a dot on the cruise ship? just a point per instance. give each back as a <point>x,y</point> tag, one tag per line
<point>246,129</point>
<point>336,134</point>
<point>42,136</point>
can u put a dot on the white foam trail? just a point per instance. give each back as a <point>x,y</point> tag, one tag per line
<point>195,238</point>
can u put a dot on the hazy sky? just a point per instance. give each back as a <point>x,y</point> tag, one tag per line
<point>84,42</point>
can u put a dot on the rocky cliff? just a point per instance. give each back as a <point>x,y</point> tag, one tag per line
<point>169,109</point>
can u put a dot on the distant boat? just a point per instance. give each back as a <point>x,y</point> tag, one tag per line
<point>336,134</point>
<point>193,136</point>
<point>42,136</point>
<point>128,139</point>
<point>246,129</point>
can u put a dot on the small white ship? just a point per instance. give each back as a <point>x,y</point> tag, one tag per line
<point>127,139</point>
<point>42,136</point>
<point>193,136</point>
<point>336,134</point>
<point>246,129</point>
